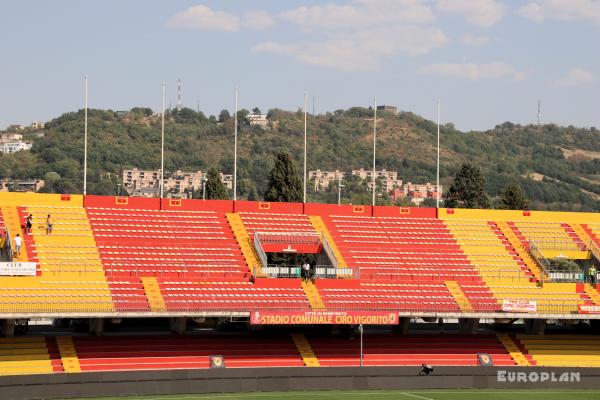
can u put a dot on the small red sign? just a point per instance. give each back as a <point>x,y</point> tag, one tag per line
<point>585,309</point>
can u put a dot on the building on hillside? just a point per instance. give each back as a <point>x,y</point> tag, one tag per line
<point>10,137</point>
<point>13,147</point>
<point>37,125</point>
<point>390,179</point>
<point>322,179</point>
<point>392,109</point>
<point>15,127</point>
<point>144,183</point>
<point>17,185</point>
<point>417,193</point>
<point>257,119</point>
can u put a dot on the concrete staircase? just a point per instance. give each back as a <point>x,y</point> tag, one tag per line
<point>319,226</point>
<point>152,290</point>
<point>13,223</point>
<point>66,347</point>
<point>305,350</point>
<point>313,296</point>
<point>514,351</point>
<point>246,245</point>
<point>459,296</point>
<point>520,249</point>
<point>592,293</point>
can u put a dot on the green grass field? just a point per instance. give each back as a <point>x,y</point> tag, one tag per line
<point>442,394</point>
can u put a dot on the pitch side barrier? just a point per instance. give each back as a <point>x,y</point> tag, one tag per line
<point>224,380</point>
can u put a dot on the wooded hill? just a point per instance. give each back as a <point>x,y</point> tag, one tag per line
<point>558,167</point>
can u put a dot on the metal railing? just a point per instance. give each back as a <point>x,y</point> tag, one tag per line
<point>260,251</point>
<point>555,243</point>
<point>566,276</point>
<point>539,259</point>
<point>593,247</point>
<point>329,251</point>
<point>239,304</point>
<point>8,250</point>
<point>318,271</point>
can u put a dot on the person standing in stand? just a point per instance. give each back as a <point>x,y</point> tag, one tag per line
<point>49,225</point>
<point>29,223</point>
<point>18,244</point>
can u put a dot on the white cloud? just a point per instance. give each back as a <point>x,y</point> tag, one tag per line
<point>362,50</point>
<point>563,10</point>
<point>478,12</point>
<point>474,40</point>
<point>257,20</point>
<point>360,14</point>
<point>474,72</point>
<point>577,77</point>
<point>202,17</point>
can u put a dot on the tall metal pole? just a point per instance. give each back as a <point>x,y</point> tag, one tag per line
<point>374,143</point>
<point>360,328</point>
<point>304,176</point>
<point>437,190</point>
<point>235,132</point>
<point>340,186</point>
<point>85,140</point>
<point>162,143</point>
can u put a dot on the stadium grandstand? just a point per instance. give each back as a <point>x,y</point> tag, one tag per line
<point>447,287</point>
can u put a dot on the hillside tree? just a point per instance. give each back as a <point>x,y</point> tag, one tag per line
<point>284,183</point>
<point>215,189</point>
<point>468,189</point>
<point>513,198</point>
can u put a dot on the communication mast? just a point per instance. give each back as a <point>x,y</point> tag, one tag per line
<point>179,95</point>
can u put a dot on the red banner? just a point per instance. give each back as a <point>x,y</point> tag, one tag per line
<point>583,309</point>
<point>323,318</point>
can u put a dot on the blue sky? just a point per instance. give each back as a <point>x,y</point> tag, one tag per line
<point>488,61</point>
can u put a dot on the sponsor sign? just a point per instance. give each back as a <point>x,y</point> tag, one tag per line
<point>18,268</point>
<point>519,306</point>
<point>583,309</point>
<point>485,360</point>
<point>323,318</point>
<point>217,361</point>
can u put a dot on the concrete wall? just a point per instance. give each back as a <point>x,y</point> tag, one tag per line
<point>273,379</point>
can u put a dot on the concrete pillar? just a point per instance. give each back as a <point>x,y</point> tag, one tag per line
<point>96,326</point>
<point>535,326</point>
<point>402,326</point>
<point>469,325</point>
<point>8,328</point>
<point>178,325</point>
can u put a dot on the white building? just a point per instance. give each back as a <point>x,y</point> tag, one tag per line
<point>10,137</point>
<point>257,119</point>
<point>13,147</point>
<point>322,179</point>
<point>145,182</point>
<point>390,179</point>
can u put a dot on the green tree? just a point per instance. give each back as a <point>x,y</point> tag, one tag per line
<point>256,111</point>
<point>224,116</point>
<point>468,189</point>
<point>284,183</point>
<point>215,189</point>
<point>513,198</point>
<point>241,116</point>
